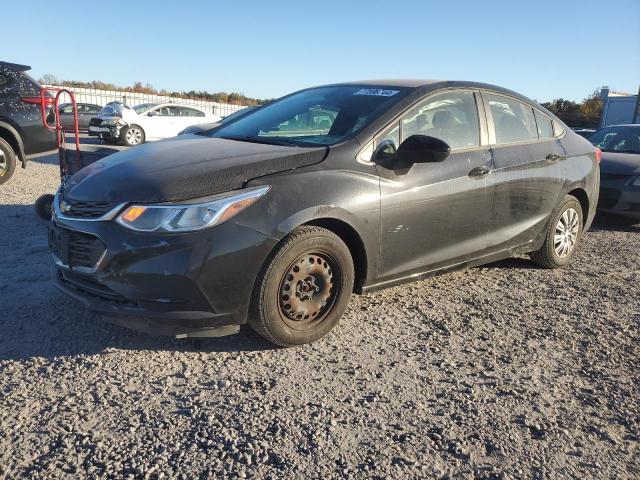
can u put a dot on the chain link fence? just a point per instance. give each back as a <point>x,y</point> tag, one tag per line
<point>102,97</point>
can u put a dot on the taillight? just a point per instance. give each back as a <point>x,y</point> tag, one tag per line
<point>37,100</point>
<point>598,155</point>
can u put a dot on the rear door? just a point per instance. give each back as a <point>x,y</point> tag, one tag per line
<point>436,214</point>
<point>190,116</point>
<point>88,112</point>
<point>528,170</point>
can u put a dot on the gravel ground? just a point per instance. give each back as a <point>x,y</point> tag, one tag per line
<point>506,371</point>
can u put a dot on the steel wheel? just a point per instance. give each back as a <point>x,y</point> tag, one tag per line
<point>308,290</point>
<point>133,136</point>
<point>566,234</point>
<point>3,163</point>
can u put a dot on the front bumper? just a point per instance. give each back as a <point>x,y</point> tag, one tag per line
<point>110,132</point>
<point>196,284</point>
<point>618,196</point>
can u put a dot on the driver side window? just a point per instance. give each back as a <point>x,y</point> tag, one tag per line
<point>452,117</point>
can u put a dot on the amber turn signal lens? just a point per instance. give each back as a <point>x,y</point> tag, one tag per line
<point>132,213</point>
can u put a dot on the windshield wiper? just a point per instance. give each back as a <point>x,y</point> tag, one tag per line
<point>248,138</point>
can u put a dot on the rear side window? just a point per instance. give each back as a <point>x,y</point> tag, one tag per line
<point>545,129</point>
<point>452,117</point>
<point>190,112</point>
<point>513,120</point>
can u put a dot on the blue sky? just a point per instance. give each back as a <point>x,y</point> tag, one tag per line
<point>543,49</point>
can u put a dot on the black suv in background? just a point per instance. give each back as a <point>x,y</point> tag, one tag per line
<point>21,130</point>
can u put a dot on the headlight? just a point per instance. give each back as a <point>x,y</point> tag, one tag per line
<point>636,181</point>
<point>187,217</point>
<point>111,121</point>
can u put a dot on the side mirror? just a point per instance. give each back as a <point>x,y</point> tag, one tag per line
<point>154,113</point>
<point>422,149</point>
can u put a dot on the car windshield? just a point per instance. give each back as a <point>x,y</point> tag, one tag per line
<point>143,107</point>
<point>617,139</point>
<point>317,116</point>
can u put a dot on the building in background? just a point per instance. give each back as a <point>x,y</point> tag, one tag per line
<point>618,108</point>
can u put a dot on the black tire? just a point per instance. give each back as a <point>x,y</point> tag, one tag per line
<point>43,206</point>
<point>125,134</point>
<point>319,299</point>
<point>547,256</point>
<point>7,161</point>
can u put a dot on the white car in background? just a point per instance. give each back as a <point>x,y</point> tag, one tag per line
<point>119,123</point>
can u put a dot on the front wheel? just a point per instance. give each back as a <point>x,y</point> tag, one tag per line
<point>303,289</point>
<point>563,235</point>
<point>132,135</point>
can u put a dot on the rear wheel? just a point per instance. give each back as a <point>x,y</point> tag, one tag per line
<point>132,135</point>
<point>303,289</point>
<point>7,161</point>
<point>563,235</point>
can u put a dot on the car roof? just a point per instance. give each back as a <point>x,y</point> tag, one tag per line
<point>426,84</point>
<point>172,104</point>
<point>15,66</point>
<point>392,82</point>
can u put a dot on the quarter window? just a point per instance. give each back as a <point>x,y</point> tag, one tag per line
<point>391,134</point>
<point>452,117</point>
<point>513,120</point>
<point>545,129</point>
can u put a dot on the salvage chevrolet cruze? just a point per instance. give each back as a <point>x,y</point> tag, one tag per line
<point>275,218</point>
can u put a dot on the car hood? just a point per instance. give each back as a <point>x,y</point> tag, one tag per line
<point>183,167</point>
<point>620,163</point>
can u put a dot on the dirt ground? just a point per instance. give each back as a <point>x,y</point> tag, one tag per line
<point>501,372</point>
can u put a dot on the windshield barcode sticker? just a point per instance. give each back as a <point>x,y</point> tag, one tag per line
<point>376,92</point>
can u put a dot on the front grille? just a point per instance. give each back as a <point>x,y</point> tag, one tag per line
<point>95,122</point>
<point>71,208</point>
<point>84,250</point>
<point>608,197</point>
<point>609,177</point>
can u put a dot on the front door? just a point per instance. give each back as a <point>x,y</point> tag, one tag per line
<point>436,214</point>
<point>164,122</point>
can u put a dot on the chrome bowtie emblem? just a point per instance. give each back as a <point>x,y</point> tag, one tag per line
<point>64,207</point>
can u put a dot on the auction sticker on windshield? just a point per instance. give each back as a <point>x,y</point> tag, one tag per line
<point>376,92</point>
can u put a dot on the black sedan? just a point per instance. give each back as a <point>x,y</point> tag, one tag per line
<point>86,111</point>
<point>620,169</point>
<point>276,218</point>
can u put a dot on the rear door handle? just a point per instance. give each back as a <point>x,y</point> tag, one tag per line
<point>553,157</point>
<point>479,172</point>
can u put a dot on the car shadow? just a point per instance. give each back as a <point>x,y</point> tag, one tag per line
<point>39,321</point>
<point>518,263</point>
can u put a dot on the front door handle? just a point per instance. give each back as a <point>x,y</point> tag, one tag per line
<point>479,172</point>
<point>553,157</point>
